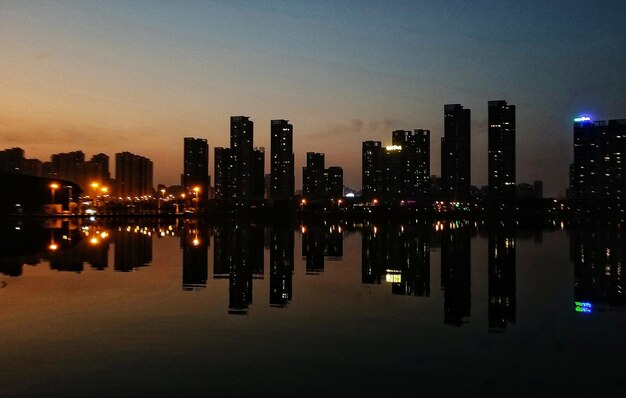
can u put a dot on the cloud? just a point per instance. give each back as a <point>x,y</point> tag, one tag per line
<point>358,127</point>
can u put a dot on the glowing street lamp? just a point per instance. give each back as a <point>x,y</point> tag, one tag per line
<point>53,188</point>
<point>196,189</point>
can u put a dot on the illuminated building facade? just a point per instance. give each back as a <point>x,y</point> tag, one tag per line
<point>133,175</point>
<point>196,166</point>
<point>598,174</point>
<point>501,156</point>
<point>282,176</point>
<point>456,153</point>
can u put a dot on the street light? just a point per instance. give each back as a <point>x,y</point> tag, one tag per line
<point>53,188</point>
<point>159,199</point>
<point>196,189</point>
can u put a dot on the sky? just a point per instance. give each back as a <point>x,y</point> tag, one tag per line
<point>139,76</point>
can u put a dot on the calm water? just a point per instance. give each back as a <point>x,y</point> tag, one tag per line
<point>238,309</point>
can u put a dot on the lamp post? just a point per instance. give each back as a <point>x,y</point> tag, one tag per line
<point>159,199</point>
<point>196,189</point>
<point>53,188</point>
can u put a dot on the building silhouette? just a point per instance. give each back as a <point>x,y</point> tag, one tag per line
<point>133,175</point>
<point>319,182</point>
<point>400,170</point>
<point>371,168</point>
<point>501,145</point>
<point>313,181</point>
<point>333,177</point>
<point>241,155</point>
<point>257,190</point>
<point>196,166</point>
<point>598,174</point>
<point>222,171</point>
<point>456,153</point>
<point>282,183</point>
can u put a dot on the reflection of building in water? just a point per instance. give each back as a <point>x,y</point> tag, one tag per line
<point>221,261</point>
<point>456,274</point>
<point>334,242</point>
<point>133,248</point>
<point>598,258</point>
<point>240,269</point>
<point>313,245</point>
<point>502,298</point>
<point>195,246</point>
<point>238,254</point>
<point>281,265</point>
<point>400,255</point>
<point>319,241</point>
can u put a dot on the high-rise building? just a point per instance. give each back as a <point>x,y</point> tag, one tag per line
<point>69,166</point>
<point>313,184</point>
<point>400,170</point>
<point>96,171</point>
<point>133,175</point>
<point>334,182</point>
<point>196,166</point>
<point>282,162</point>
<point>222,171</point>
<point>371,168</point>
<point>241,152</point>
<point>455,152</point>
<point>501,143</point>
<point>598,174</point>
<point>11,161</point>
<point>257,176</point>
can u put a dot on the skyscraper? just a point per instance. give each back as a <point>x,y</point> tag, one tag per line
<point>598,174</point>
<point>196,166</point>
<point>257,176</point>
<point>401,170</point>
<point>241,152</point>
<point>334,182</point>
<point>282,162</point>
<point>222,171</point>
<point>133,175</point>
<point>371,168</point>
<point>313,175</point>
<point>455,153</point>
<point>501,143</point>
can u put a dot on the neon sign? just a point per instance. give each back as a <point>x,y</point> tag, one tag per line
<point>582,119</point>
<point>583,306</point>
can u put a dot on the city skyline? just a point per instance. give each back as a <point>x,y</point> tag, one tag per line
<point>129,77</point>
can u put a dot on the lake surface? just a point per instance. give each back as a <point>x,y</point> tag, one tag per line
<point>187,307</point>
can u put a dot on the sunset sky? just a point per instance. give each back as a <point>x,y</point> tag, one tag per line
<point>139,76</point>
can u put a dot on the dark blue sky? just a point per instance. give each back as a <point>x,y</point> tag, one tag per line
<point>112,76</point>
